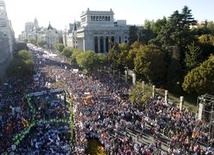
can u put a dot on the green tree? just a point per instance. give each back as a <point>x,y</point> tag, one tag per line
<point>67,52</point>
<point>192,55</point>
<point>74,55</point>
<point>148,32</point>
<point>41,43</point>
<point>174,74</point>
<point>140,94</point>
<point>87,60</point>
<point>133,34</point>
<point>22,65</point>
<point>150,64</point>
<point>177,32</point>
<point>206,39</point>
<point>60,47</point>
<point>210,26</point>
<point>103,59</point>
<point>200,79</point>
<point>25,55</point>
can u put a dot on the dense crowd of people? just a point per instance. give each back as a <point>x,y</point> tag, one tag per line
<point>112,120</point>
<point>13,115</point>
<point>100,112</point>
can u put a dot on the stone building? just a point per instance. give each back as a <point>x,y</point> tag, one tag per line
<point>96,31</point>
<point>51,37</point>
<point>7,39</point>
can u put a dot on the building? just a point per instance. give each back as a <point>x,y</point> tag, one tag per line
<point>33,32</point>
<point>30,32</point>
<point>96,31</point>
<point>7,39</point>
<point>51,37</point>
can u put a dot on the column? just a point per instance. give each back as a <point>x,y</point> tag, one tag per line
<point>109,44</point>
<point>166,97</point>
<point>98,44</point>
<point>126,76</point>
<point>153,91</point>
<point>181,102</point>
<point>143,86</point>
<point>134,78</point>
<point>83,42</point>
<point>104,44</point>
<point>200,111</point>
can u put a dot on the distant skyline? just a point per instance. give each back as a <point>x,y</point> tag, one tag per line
<point>62,12</point>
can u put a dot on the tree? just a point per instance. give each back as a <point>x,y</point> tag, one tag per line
<point>60,47</point>
<point>103,59</point>
<point>113,56</point>
<point>133,34</point>
<point>22,65</point>
<point>67,52</point>
<point>148,32</point>
<point>41,43</point>
<point>200,79</point>
<point>192,55</point>
<point>174,70</point>
<point>177,32</point>
<point>87,60</point>
<point>25,55</point>
<point>206,39</point>
<point>210,26</point>
<point>74,55</point>
<point>150,64</point>
<point>140,94</point>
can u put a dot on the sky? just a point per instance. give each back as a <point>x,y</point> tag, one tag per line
<point>62,12</point>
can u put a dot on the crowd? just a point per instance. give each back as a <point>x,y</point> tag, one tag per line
<point>111,120</point>
<point>13,115</point>
<point>101,113</point>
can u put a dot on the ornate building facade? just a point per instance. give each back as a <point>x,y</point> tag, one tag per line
<point>96,31</point>
<point>33,32</point>
<point>7,39</point>
<point>51,37</point>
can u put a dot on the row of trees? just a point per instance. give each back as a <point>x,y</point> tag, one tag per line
<point>164,52</point>
<point>89,60</point>
<point>167,53</point>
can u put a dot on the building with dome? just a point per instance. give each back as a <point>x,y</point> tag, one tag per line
<point>96,30</point>
<point>48,34</point>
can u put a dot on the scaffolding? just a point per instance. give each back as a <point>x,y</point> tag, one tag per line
<point>206,114</point>
<point>206,108</point>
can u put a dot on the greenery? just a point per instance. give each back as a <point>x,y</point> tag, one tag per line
<point>95,148</point>
<point>60,47</point>
<point>201,79</point>
<point>22,65</point>
<point>170,53</point>
<point>88,60</point>
<point>140,94</point>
